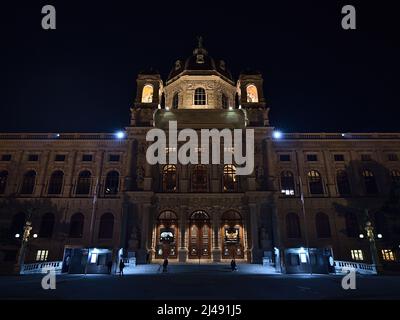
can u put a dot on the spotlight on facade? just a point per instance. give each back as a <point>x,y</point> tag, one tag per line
<point>120,134</point>
<point>57,135</point>
<point>380,236</point>
<point>167,108</point>
<point>361,236</point>
<point>230,108</point>
<point>302,249</point>
<point>343,135</point>
<point>277,135</point>
<point>159,106</point>
<point>17,235</point>
<point>35,235</point>
<point>240,106</point>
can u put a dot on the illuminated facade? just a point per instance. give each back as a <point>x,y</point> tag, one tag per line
<point>98,191</point>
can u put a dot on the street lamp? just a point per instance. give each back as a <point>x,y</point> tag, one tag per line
<point>26,236</point>
<point>372,245</point>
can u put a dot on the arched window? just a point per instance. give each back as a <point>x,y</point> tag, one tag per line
<point>352,227</point>
<point>293,226</point>
<point>76,225</point>
<point>175,101</point>
<point>315,182</point>
<point>84,182</point>
<point>199,178</point>
<point>169,178</point>
<point>167,216</point>
<point>231,215</point>
<point>147,94</point>
<point>167,234</point>
<point>225,101</point>
<point>17,224</point>
<point>252,93</point>
<point>200,98</point>
<point>369,182</point>
<point>287,183</point>
<point>28,182</point>
<point>394,174</point>
<point>112,183</point>
<point>343,184</point>
<point>322,225</point>
<point>106,227</point>
<point>56,182</point>
<point>230,179</point>
<point>3,181</point>
<point>47,225</point>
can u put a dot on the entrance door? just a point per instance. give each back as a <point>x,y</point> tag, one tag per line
<point>200,236</point>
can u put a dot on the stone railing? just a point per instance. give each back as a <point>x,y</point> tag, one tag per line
<point>41,267</point>
<point>362,268</point>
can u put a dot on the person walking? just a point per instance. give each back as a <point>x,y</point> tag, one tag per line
<point>165,265</point>
<point>109,266</point>
<point>233,265</point>
<point>121,267</point>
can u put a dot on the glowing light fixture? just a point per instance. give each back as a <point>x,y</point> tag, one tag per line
<point>240,106</point>
<point>120,134</point>
<point>17,235</point>
<point>159,106</point>
<point>361,236</point>
<point>277,134</point>
<point>380,236</point>
<point>230,108</point>
<point>167,108</point>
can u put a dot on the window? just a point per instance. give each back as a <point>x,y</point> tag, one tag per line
<point>169,178</point>
<point>312,157</point>
<point>93,258</point>
<point>293,226</point>
<point>394,174</point>
<point>230,179</point>
<point>322,225</point>
<point>47,225</point>
<point>106,227</point>
<point>84,183</point>
<point>287,183</point>
<point>357,255</point>
<point>369,182</point>
<point>388,255</point>
<point>87,157</point>
<point>28,182</point>
<point>6,157</point>
<point>366,157</point>
<point>284,157</point>
<point>252,94</point>
<point>3,181</point>
<point>315,182</point>
<point>339,157</point>
<point>224,101</point>
<point>393,157</point>
<point>343,184</point>
<point>112,183</point>
<point>41,255</point>
<point>33,157</point>
<point>200,98</point>
<point>113,158</point>
<point>352,227</point>
<point>56,182</point>
<point>147,94</point>
<point>199,178</point>
<point>175,101</point>
<point>76,226</point>
<point>303,257</point>
<point>59,157</point>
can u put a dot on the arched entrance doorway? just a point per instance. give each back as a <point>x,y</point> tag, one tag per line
<point>167,235</point>
<point>232,235</point>
<point>199,235</point>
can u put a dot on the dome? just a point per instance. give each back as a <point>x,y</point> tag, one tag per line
<point>200,63</point>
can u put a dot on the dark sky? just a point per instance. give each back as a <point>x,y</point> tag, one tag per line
<point>317,76</point>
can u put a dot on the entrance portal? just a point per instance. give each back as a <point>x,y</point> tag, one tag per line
<point>199,236</point>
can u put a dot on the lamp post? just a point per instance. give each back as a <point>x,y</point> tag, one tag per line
<point>372,244</point>
<point>26,236</point>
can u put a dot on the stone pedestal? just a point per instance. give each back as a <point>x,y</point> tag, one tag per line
<point>216,254</point>
<point>182,254</point>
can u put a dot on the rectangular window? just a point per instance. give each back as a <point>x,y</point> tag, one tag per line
<point>366,157</point>
<point>59,157</point>
<point>41,255</point>
<point>113,157</point>
<point>284,157</point>
<point>393,157</point>
<point>87,157</point>
<point>312,157</point>
<point>93,258</point>
<point>33,157</point>
<point>388,255</point>
<point>339,157</point>
<point>357,255</point>
<point>303,257</point>
<point>6,157</point>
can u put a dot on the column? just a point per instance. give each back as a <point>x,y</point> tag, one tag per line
<point>183,249</point>
<point>216,247</point>
<point>254,246</point>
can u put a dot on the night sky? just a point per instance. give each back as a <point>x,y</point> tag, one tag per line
<point>81,77</point>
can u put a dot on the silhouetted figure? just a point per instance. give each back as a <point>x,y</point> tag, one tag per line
<point>165,265</point>
<point>233,265</point>
<point>109,266</point>
<point>121,267</point>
